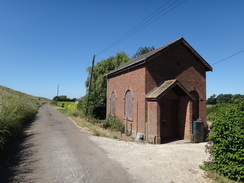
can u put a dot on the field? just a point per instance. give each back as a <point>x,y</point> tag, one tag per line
<point>16,110</point>
<point>67,105</point>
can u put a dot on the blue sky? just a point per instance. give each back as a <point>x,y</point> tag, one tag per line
<point>44,43</point>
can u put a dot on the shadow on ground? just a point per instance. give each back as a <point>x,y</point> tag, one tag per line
<point>11,161</point>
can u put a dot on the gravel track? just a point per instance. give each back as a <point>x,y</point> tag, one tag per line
<point>165,163</point>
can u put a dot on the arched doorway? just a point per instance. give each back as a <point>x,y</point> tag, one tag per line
<point>128,115</point>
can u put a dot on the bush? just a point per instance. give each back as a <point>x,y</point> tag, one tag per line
<point>96,108</point>
<point>113,124</point>
<point>213,110</point>
<point>226,144</point>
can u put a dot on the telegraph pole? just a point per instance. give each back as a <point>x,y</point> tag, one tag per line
<point>89,89</point>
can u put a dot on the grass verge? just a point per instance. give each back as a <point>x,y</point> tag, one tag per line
<point>94,126</point>
<point>16,110</point>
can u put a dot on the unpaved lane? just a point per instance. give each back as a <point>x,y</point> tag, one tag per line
<point>55,150</point>
<point>165,163</point>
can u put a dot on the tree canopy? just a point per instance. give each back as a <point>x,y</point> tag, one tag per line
<point>97,98</point>
<point>224,98</point>
<point>63,98</point>
<point>143,50</point>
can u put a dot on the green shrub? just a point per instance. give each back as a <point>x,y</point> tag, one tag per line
<point>113,124</point>
<point>213,110</point>
<point>226,142</point>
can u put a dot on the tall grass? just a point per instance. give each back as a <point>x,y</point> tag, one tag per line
<point>16,109</point>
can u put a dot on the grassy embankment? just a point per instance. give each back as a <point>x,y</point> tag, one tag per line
<point>16,110</point>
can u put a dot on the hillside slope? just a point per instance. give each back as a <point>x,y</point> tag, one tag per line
<point>16,110</point>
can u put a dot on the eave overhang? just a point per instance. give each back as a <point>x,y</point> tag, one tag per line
<point>166,86</point>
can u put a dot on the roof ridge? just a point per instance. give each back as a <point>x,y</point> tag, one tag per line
<point>152,53</point>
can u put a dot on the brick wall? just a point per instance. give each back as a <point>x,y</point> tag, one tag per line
<point>153,122</point>
<point>133,80</point>
<point>179,63</point>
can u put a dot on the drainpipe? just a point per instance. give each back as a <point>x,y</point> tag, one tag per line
<point>137,117</point>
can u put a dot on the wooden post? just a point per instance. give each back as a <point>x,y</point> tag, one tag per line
<point>89,89</point>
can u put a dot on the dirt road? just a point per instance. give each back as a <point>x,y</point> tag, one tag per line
<point>175,162</point>
<point>55,150</point>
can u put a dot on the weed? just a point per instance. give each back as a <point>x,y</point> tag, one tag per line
<point>113,124</point>
<point>96,132</point>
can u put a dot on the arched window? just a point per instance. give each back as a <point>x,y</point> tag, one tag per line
<point>195,105</point>
<point>113,104</point>
<point>128,105</point>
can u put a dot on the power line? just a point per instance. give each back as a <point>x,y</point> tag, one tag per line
<point>161,11</point>
<point>228,57</point>
<point>133,29</point>
<point>147,21</point>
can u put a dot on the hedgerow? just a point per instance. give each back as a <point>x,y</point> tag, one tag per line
<point>226,142</point>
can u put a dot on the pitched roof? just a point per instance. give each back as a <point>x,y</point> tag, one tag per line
<point>147,56</point>
<point>164,87</point>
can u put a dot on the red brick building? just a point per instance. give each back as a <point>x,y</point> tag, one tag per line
<point>160,93</point>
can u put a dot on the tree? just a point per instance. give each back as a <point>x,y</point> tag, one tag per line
<point>97,97</point>
<point>235,98</point>
<point>143,50</point>
<point>212,99</point>
<point>224,98</point>
<point>63,98</point>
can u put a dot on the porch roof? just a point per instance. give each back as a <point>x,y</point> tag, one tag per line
<point>164,87</point>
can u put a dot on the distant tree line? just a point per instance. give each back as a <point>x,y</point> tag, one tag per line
<point>63,98</point>
<point>225,98</point>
